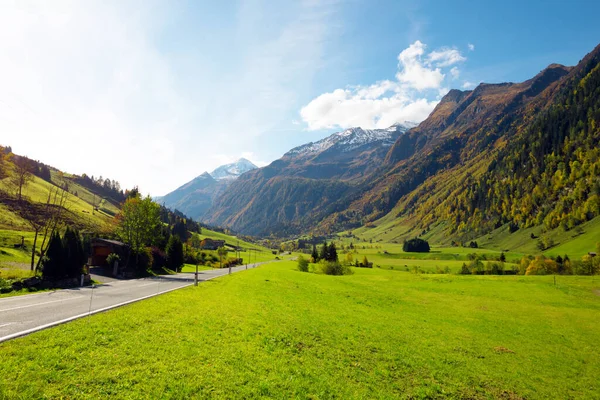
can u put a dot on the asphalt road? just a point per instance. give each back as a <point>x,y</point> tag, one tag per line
<point>21,315</point>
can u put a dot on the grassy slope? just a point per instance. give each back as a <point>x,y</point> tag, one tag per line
<point>275,332</point>
<point>390,229</point>
<point>12,226</point>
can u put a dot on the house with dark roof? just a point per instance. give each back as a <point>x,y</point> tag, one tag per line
<point>101,248</point>
<point>211,244</point>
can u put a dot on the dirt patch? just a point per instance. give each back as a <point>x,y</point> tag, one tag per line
<point>501,349</point>
<point>596,292</point>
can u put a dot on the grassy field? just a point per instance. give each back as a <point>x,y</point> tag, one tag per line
<point>274,332</point>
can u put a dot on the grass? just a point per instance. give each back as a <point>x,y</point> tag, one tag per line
<point>276,332</point>
<point>37,191</point>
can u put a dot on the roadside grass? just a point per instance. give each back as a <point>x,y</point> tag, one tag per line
<point>276,332</point>
<point>192,268</point>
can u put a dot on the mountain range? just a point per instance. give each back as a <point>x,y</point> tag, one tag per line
<point>196,197</point>
<point>507,154</point>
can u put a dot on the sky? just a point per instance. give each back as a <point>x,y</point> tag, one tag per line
<point>153,93</point>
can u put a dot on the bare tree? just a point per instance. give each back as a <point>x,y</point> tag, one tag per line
<point>21,175</point>
<point>45,219</point>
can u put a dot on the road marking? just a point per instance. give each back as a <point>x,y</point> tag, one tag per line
<point>10,323</point>
<point>63,321</point>
<point>41,304</point>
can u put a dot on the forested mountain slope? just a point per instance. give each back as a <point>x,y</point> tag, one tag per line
<point>306,185</point>
<point>521,154</point>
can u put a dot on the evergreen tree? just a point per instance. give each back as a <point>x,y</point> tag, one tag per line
<point>73,255</point>
<point>52,265</point>
<point>332,253</point>
<point>180,229</point>
<point>315,254</point>
<point>324,252</point>
<point>502,257</point>
<point>174,253</point>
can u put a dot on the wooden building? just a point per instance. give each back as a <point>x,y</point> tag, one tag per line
<point>210,244</point>
<point>101,248</point>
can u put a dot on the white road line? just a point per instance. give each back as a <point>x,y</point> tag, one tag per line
<point>10,323</point>
<point>42,304</point>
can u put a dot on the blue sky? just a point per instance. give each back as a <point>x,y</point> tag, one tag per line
<point>154,93</point>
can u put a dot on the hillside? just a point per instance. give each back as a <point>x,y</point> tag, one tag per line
<point>516,155</point>
<point>540,173</point>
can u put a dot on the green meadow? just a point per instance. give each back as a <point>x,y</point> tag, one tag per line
<point>274,332</point>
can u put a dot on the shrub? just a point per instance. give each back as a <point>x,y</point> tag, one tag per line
<point>496,268</point>
<point>302,264</point>
<point>159,258</point>
<point>334,268</point>
<point>112,258</point>
<point>464,270</point>
<point>141,260</point>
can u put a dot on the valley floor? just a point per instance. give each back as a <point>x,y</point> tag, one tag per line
<point>276,332</point>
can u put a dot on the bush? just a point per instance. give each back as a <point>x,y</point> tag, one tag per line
<point>302,264</point>
<point>159,258</point>
<point>334,268</point>
<point>416,245</point>
<point>112,258</point>
<point>464,270</point>
<point>141,260</point>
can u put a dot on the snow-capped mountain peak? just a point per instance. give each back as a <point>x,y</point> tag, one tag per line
<point>354,138</point>
<point>233,170</point>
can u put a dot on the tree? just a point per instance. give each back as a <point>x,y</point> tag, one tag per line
<point>416,245</point>
<point>349,259</point>
<point>365,262</point>
<point>2,163</point>
<point>464,270</point>
<point>502,257</point>
<point>314,255</point>
<point>73,255</point>
<point>180,229</point>
<point>52,264</point>
<point>21,176</point>
<point>138,222</point>
<point>324,252</point>
<point>222,252</point>
<point>174,253</point>
<point>332,253</point>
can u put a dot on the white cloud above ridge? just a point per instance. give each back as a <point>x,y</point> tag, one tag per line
<point>411,97</point>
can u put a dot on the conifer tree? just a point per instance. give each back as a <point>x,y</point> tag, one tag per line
<point>332,253</point>
<point>315,254</point>
<point>52,265</point>
<point>73,255</point>
<point>324,251</point>
<point>174,253</point>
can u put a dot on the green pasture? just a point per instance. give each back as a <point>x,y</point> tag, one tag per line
<point>274,332</point>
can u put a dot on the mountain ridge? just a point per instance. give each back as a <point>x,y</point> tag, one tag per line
<point>466,129</point>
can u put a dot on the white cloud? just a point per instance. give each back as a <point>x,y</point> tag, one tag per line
<point>413,72</point>
<point>455,72</point>
<point>411,97</point>
<point>471,47</point>
<point>468,85</point>
<point>445,57</point>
